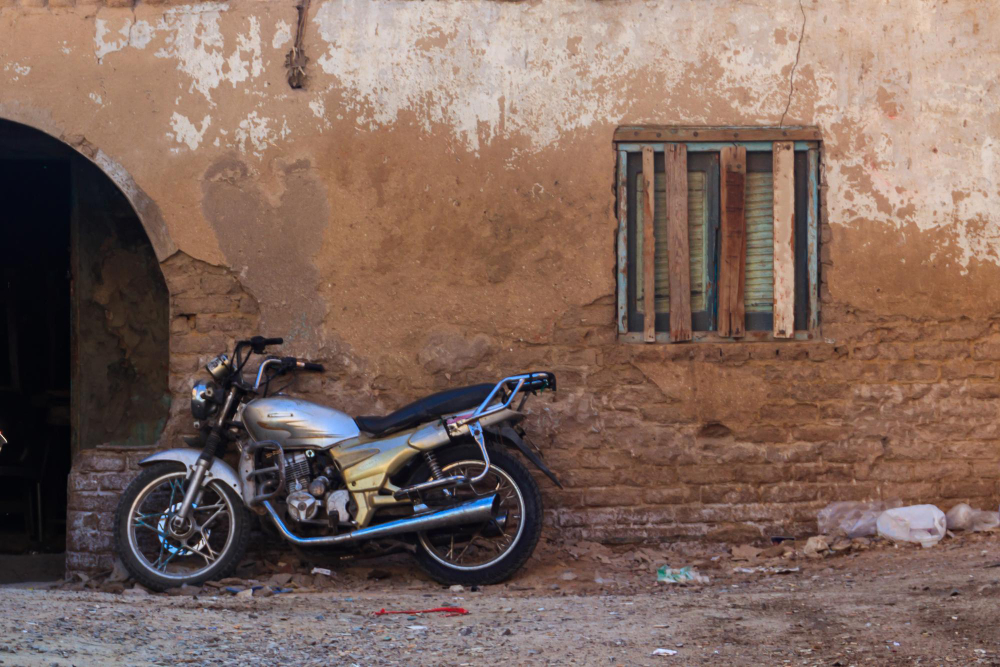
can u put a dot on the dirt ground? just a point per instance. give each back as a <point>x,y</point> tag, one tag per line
<point>582,604</point>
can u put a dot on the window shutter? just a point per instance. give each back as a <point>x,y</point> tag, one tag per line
<point>784,239</point>
<point>698,197</point>
<point>649,245</point>
<point>698,209</point>
<point>759,274</point>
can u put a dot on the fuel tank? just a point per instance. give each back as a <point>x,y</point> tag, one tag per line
<point>295,422</point>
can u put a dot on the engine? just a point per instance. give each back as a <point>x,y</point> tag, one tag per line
<point>309,484</point>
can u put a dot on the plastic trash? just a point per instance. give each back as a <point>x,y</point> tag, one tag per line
<point>959,517</point>
<point>664,651</point>
<point>963,517</point>
<point>922,524</point>
<point>685,575</point>
<point>984,520</point>
<point>852,518</point>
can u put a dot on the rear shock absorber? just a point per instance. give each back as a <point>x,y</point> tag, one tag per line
<point>433,464</point>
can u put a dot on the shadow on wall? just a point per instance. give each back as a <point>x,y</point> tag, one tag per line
<point>122,314</point>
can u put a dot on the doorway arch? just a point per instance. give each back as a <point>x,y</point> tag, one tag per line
<point>84,324</point>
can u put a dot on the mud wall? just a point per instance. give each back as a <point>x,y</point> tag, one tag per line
<point>436,206</point>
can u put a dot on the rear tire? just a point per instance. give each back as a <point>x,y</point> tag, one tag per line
<point>510,470</point>
<point>139,565</point>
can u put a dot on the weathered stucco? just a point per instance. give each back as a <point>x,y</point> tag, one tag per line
<point>442,190</point>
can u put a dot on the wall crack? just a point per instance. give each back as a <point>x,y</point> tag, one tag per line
<point>791,77</point>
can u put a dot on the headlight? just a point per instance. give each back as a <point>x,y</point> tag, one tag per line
<point>203,399</point>
<point>219,367</point>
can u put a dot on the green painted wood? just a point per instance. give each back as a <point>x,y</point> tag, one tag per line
<point>812,229</point>
<point>622,190</point>
<point>758,289</point>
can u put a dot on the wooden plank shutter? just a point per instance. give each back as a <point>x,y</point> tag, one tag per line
<point>649,246</point>
<point>784,239</point>
<point>733,167</point>
<point>698,209</point>
<point>675,163</point>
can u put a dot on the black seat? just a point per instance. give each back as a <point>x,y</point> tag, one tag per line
<point>426,409</point>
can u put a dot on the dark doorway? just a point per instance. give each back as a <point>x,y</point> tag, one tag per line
<point>83,331</point>
<point>34,352</point>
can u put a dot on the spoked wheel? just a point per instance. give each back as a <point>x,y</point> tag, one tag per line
<point>490,552</point>
<point>159,549</point>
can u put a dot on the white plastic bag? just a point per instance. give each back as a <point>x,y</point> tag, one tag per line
<point>963,517</point>
<point>852,518</point>
<point>983,520</point>
<point>960,517</point>
<point>923,524</point>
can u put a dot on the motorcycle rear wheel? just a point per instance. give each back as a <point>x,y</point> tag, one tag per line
<point>157,559</point>
<point>489,553</point>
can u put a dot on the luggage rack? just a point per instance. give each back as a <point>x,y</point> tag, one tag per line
<point>507,389</point>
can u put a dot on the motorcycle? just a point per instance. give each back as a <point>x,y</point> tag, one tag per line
<point>441,474</point>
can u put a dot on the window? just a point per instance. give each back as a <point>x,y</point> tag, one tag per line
<point>731,248</point>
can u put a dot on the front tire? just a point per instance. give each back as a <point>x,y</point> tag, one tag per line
<point>157,559</point>
<point>438,552</point>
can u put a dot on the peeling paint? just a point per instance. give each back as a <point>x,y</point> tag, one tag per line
<point>257,131</point>
<point>192,36</point>
<point>282,34</point>
<point>18,69</point>
<point>185,131</point>
<point>318,108</point>
<point>494,70</point>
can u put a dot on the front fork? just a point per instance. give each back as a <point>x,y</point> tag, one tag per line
<point>180,523</point>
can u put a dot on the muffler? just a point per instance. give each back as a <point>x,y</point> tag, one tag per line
<point>474,511</point>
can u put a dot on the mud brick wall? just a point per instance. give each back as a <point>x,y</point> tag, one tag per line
<point>894,408</point>
<point>730,441</point>
<point>98,478</point>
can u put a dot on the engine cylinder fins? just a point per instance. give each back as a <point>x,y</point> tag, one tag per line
<point>298,471</point>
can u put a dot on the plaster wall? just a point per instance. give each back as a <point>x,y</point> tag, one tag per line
<point>436,206</point>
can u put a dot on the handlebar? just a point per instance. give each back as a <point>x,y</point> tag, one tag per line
<point>258,343</point>
<point>284,364</point>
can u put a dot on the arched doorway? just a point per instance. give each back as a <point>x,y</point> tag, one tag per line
<point>83,335</point>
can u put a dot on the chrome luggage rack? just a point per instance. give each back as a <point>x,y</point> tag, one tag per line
<point>507,389</point>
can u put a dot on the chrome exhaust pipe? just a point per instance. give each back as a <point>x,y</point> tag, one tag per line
<point>474,511</point>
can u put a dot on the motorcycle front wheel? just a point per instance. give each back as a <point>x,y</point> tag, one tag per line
<point>488,553</point>
<point>210,546</point>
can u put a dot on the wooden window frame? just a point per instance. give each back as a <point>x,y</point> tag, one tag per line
<point>631,141</point>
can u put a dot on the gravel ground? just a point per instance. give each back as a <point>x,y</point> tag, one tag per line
<point>883,605</point>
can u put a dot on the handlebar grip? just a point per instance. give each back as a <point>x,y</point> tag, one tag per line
<point>272,341</point>
<point>311,366</point>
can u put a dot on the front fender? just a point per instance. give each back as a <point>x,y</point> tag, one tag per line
<point>220,470</point>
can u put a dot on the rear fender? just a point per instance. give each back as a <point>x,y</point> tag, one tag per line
<point>220,470</point>
<point>509,436</point>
